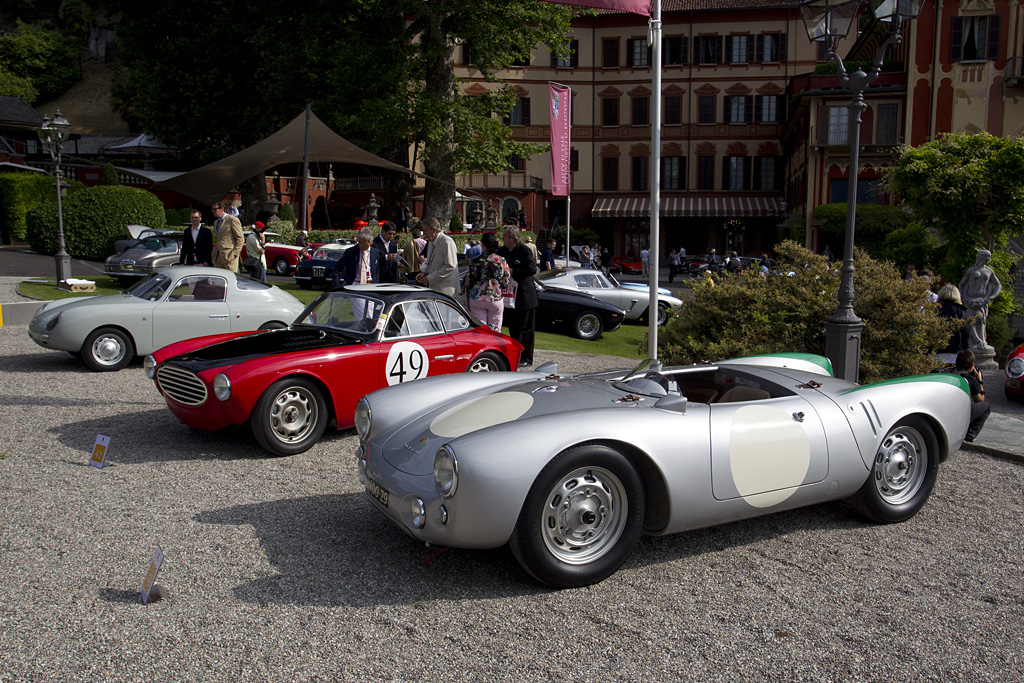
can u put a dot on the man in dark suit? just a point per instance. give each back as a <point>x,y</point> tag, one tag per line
<point>197,243</point>
<point>523,321</point>
<point>359,264</point>
<point>386,244</point>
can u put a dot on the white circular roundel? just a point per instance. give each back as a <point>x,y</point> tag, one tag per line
<point>406,361</point>
<point>769,454</point>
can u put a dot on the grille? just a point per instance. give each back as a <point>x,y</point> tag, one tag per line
<point>181,385</point>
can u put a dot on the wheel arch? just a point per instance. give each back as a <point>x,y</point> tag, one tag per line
<point>940,433</point>
<point>320,384</point>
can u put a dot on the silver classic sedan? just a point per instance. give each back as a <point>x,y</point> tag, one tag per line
<point>175,303</point>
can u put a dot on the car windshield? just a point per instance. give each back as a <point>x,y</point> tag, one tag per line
<point>645,379</point>
<point>344,312</point>
<point>161,245</point>
<point>152,288</point>
<point>328,254</point>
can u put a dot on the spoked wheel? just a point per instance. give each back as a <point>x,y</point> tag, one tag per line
<point>486,362</point>
<point>581,519</point>
<point>107,349</point>
<point>662,314</point>
<point>290,416</point>
<point>903,474</point>
<point>588,326</point>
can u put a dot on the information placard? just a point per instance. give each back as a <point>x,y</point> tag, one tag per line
<point>99,451</point>
<point>154,568</point>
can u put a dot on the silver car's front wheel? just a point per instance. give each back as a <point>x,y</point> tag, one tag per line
<point>107,349</point>
<point>290,416</point>
<point>582,518</point>
<point>903,473</point>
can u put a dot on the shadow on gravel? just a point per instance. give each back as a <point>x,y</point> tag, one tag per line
<point>55,361</point>
<point>120,595</point>
<point>337,550</point>
<point>62,401</point>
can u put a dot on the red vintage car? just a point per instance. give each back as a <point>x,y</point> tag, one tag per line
<point>281,258</point>
<point>289,384</point>
<point>1014,371</point>
<point>622,264</point>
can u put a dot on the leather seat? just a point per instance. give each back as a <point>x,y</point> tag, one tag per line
<point>741,393</point>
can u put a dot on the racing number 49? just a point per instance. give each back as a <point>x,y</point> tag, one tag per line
<point>415,360</point>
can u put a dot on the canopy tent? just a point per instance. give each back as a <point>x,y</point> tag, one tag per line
<point>211,182</point>
<point>140,142</point>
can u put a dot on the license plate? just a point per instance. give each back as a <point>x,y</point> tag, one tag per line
<point>377,491</point>
<point>318,271</point>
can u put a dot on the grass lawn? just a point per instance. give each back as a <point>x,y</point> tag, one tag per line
<point>623,342</point>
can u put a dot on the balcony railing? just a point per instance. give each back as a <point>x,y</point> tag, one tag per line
<point>503,181</point>
<point>1013,74</point>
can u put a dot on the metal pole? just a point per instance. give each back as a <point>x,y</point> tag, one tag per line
<point>61,258</point>
<point>305,172</point>
<point>653,261</point>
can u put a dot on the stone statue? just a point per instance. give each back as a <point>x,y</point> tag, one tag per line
<point>979,288</point>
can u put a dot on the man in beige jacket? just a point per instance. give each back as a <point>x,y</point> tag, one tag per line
<point>228,239</point>
<point>441,270</point>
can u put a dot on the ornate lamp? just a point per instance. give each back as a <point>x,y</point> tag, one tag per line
<point>52,134</point>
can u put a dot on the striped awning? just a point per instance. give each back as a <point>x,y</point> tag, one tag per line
<point>692,206</point>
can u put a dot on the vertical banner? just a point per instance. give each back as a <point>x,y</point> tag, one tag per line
<point>561,97</point>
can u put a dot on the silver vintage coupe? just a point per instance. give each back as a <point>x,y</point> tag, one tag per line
<point>175,303</point>
<point>569,471</point>
<point>634,301</point>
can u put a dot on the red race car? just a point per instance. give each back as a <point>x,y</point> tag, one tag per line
<point>288,384</point>
<point>281,258</point>
<point>1014,371</point>
<point>621,264</point>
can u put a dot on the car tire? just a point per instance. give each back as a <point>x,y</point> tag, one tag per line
<point>1012,396</point>
<point>290,416</point>
<point>588,326</point>
<point>281,266</point>
<point>107,349</point>
<point>272,325</point>
<point>663,313</point>
<point>903,473</point>
<point>488,361</point>
<point>582,517</point>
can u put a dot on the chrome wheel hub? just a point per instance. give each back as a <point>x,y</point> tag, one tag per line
<point>107,350</point>
<point>293,415</point>
<point>588,326</point>
<point>584,515</point>
<point>900,465</point>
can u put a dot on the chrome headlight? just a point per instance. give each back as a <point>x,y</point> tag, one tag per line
<point>417,513</point>
<point>53,322</point>
<point>446,472</point>
<point>222,387</point>
<point>1015,368</point>
<point>362,419</point>
<point>149,366</point>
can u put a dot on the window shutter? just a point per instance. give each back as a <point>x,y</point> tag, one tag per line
<point>727,118</point>
<point>526,111</point>
<point>757,174</point>
<point>780,108</point>
<point>725,173</point>
<point>746,173</point>
<point>650,56</point>
<point>758,108</point>
<point>685,49</point>
<point>728,50</point>
<point>956,39</point>
<point>783,46</point>
<point>554,59</point>
<point>748,108</point>
<point>779,170</point>
<point>822,125</point>
<point>751,48</point>
<point>718,49</point>
<point>867,122</point>
<point>629,52</point>
<point>993,36</point>
<point>758,48</point>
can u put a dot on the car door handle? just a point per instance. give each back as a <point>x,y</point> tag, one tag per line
<point>448,357</point>
<point>218,315</point>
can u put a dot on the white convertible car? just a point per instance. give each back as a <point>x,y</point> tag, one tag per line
<point>175,303</point>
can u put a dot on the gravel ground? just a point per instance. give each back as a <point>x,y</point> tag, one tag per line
<point>278,569</point>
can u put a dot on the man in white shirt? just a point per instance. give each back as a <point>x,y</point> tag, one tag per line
<point>645,261</point>
<point>441,269</point>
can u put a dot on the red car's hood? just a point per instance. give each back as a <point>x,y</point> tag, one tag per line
<point>250,346</point>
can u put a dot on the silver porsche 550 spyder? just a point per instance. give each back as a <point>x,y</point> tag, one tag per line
<point>570,470</point>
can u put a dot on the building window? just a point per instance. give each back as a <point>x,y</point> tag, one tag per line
<point>610,174</point>
<point>838,125</point>
<point>673,110</point>
<point>673,173</point>
<point>674,50</point>
<point>974,39</point>
<point>766,108</point>
<point>707,49</point>
<point>521,61</point>
<point>739,108</point>
<point>887,131</point>
<point>640,111</point>
<point>765,173</point>
<point>736,49</point>
<point>520,115</point>
<point>771,47</point>
<point>707,109</point>
<point>637,52</point>
<point>610,51</point>
<point>705,173</point>
<point>467,54</point>
<point>639,174</point>
<point>734,173</point>
<point>516,163</point>
<point>570,61</point>
<point>610,111</point>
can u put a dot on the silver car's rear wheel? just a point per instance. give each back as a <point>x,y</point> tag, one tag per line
<point>107,349</point>
<point>290,416</point>
<point>582,518</point>
<point>903,473</point>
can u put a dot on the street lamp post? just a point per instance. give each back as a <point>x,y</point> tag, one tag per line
<point>53,133</point>
<point>829,21</point>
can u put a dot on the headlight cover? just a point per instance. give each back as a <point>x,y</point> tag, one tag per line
<point>149,366</point>
<point>417,513</point>
<point>1015,368</point>
<point>362,419</point>
<point>53,322</point>
<point>446,472</point>
<point>222,387</point>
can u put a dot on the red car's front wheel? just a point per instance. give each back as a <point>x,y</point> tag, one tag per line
<point>290,416</point>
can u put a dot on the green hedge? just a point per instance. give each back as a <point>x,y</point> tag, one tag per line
<point>93,218</point>
<point>746,314</point>
<point>21,192</point>
<point>874,223</point>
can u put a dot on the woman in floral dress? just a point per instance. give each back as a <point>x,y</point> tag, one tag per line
<point>488,275</point>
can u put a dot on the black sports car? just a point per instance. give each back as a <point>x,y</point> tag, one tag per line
<point>581,314</point>
<point>317,270</point>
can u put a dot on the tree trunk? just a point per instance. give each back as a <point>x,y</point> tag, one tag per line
<point>439,152</point>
